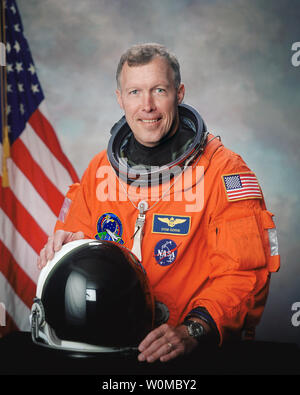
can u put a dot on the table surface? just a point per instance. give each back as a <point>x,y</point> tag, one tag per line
<point>19,355</point>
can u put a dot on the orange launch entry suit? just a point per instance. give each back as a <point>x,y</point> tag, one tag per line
<point>207,241</point>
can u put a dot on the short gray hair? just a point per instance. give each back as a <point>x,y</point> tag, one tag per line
<point>141,54</point>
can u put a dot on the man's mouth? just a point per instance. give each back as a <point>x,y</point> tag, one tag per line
<point>150,120</point>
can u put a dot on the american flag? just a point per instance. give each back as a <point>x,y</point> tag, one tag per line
<point>34,178</point>
<point>241,186</point>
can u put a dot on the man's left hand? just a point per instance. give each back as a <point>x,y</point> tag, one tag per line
<point>165,343</point>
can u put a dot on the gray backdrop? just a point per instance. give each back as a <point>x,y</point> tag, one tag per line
<point>236,60</point>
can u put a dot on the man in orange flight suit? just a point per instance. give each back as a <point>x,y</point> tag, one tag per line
<point>205,238</point>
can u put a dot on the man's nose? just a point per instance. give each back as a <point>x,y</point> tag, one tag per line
<point>148,102</point>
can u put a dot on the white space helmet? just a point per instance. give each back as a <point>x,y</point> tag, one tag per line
<point>93,296</point>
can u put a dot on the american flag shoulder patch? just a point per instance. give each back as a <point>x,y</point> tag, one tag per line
<point>240,186</point>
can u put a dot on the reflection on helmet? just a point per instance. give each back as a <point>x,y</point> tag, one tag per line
<point>93,297</point>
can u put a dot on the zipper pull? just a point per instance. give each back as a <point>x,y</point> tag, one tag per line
<point>138,230</point>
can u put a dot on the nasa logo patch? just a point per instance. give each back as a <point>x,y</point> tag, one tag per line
<point>109,227</point>
<point>165,252</point>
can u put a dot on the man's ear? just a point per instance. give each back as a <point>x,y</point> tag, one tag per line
<point>119,98</point>
<point>180,93</point>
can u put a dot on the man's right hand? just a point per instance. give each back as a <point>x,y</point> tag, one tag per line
<point>55,243</point>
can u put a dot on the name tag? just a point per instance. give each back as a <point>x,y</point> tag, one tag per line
<point>171,224</point>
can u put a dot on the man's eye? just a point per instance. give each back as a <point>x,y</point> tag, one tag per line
<point>133,92</point>
<point>160,90</point>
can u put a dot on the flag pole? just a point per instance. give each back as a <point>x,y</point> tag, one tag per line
<point>5,138</point>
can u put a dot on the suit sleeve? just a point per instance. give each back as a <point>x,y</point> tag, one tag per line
<point>75,213</point>
<point>242,252</point>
